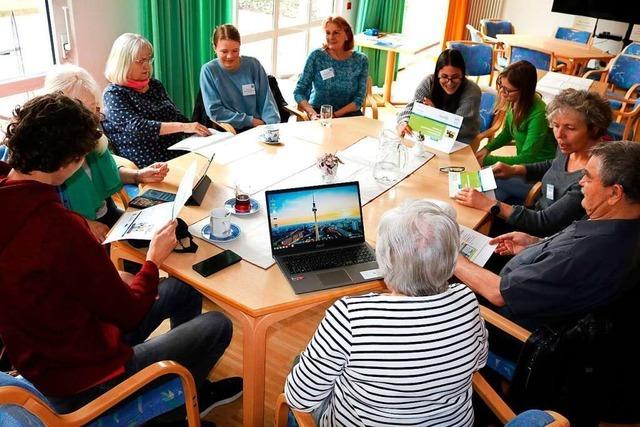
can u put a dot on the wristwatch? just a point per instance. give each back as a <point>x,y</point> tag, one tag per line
<point>495,209</point>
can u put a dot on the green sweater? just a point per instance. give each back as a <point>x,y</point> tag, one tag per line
<point>534,139</point>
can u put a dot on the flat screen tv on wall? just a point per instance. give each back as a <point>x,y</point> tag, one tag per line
<point>613,10</point>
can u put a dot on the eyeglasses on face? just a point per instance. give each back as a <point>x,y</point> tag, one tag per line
<point>505,90</point>
<point>144,61</point>
<point>445,79</point>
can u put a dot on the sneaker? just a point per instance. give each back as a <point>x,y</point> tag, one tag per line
<point>214,394</point>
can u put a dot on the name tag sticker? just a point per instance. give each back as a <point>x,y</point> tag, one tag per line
<point>371,274</point>
<point>549,191</point>
<point>327,73</point>
<point>248,89</point>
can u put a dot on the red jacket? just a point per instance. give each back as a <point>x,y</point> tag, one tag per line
<point>63,306</point>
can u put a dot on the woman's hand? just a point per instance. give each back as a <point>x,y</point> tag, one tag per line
<point>196,128</point>
<point>256,122</point>
<point>513,243</point>
<point>153,173</point>
<point>427,101</point>
<point>404,129</point>
<point>163,242</point>
<point>98,229</point>
<point>481,154</point>
<point>474,199</point>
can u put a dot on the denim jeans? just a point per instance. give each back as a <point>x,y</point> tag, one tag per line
<point>196,340</point>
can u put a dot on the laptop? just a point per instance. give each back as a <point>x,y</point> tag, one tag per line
<point>317,236</point>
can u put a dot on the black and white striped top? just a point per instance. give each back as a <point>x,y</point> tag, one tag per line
<point>393,360</point>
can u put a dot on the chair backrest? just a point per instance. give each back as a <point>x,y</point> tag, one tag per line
<point>280,101</point>
<point>493,27</point>
<point>632,49</point>
<point>540,59</point>
<point>487,108</point>
<point>478,57</point>
<point>579,36</point>
<point>4,152</point>
<point>474,34</point>
<point>624,71</point>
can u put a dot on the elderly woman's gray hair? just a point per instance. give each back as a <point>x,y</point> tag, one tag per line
<point>417,248</point>
<point>594,109</point>
<point>75,82</point>
<point>123,53</point>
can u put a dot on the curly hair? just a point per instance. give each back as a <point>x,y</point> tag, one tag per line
<point>49,132</point>
<point>594,109</point>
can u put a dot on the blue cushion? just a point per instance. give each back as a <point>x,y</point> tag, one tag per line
<point>487,104</point>
<point>477,58</point>
<point>493,28</point>
<point>616,130</point>
<point>632,49</point>
<point>17,416</point>
<point>4,153</point>
<point>540,60</point>
<point>504,367</point>
<point>531,418</point>
<point>625,71</point>
<point>573,35</point>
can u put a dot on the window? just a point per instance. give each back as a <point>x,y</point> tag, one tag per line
<point>26,50</point>
<point>280,33</point>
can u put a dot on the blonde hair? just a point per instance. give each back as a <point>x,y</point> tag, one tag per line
<point>75,82</point>
<point>123,53</point>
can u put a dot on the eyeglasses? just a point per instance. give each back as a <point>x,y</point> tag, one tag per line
<point>144,61</point>
<point>507,91</point>
<point>447,169</point>
<point>445,79</point>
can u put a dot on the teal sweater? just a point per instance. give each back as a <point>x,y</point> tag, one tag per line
<point>534,139</point>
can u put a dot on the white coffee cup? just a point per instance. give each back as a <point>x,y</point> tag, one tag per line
<point>271,134</point>
<point>220,222</point>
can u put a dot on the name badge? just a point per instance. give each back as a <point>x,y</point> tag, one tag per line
<point>327,73</point>
<point>549,191</point>
<point>248,89</point>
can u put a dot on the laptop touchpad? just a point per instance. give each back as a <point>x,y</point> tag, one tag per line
<point>334,278</point>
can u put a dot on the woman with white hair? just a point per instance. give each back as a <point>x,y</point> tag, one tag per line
<point>89,190</point>
<point>405,357</point>
<point>140,119</point>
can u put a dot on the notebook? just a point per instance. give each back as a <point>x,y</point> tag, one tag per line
<point>317,236</point>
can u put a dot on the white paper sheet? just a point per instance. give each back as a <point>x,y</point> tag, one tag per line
<point>552,83</point>
<point>204,145</point>
<point>475,246</point>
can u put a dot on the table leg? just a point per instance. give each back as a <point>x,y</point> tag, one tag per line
<point>254,346</point>
<point>388,76</point>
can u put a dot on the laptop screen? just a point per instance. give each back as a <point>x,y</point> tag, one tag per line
<point>308,218</point>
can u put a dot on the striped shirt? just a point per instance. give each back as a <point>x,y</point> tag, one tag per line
<point>393,360</point>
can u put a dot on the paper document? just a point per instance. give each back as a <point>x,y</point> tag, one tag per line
<point>482,180</point>
<point>143,223</point>
<point>204,145</point>
<point>475,246</point>
<point>437,129</point>
<point>552,83</point>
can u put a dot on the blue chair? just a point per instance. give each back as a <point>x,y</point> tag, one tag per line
<point>493,27</point>
<point>540,59</point>
<point>622,74</point>
<point>479,58</point>
<point>4,152</point>
<point>632,49</point>
<point>128,404</point>
<point>475,34</point>
<point>564,33</point>
<point>491,116</point>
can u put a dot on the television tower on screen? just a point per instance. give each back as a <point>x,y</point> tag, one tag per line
<point>315,218</point>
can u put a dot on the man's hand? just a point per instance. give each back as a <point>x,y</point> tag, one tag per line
<point>98,229</point>
<point>513,243</point>
<point>153,173</point>
<point>163,242</point>
<point>474,199</point>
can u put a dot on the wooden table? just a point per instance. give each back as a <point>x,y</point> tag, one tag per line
<point>397,44</point>
<point>577,54</point>
<point>259,298</point>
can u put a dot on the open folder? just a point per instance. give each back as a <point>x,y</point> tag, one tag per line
<point>143,224</point>
<point>437,129</point>
<point>482,180</point>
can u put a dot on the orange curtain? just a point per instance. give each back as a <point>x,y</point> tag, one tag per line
<point>456,21</point>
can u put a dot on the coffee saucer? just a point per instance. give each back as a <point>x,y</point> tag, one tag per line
<point>230,205</point>
<point>233,235</point>
<point>266,141</point>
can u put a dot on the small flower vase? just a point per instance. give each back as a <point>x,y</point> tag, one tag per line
<point>329,174</point>
<point>328,165</point>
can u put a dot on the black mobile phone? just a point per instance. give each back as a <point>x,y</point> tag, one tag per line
<point>216,263</point>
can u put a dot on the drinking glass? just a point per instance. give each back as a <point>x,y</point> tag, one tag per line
<point>326,112</point>
<point>243,198</point>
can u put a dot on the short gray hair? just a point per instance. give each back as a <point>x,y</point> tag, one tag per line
<point>417,248</point>
<point>73,81</point>
<point>123,52</point>
<point>595,110</point>
<point>619,162</point>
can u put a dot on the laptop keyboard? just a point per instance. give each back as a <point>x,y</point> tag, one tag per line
<point>332,258</point>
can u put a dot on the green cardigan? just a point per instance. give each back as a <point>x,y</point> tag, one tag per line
<point>85,195</point>
<point>534,139</point>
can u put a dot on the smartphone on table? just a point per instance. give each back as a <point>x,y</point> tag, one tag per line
<point>216,263</point>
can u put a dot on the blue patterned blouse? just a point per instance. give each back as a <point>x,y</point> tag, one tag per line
<point>132,123</point>
<point>328,81</point>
